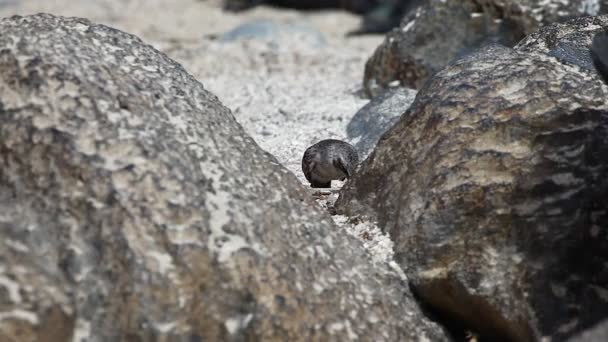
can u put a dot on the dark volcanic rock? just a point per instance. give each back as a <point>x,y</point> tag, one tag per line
<point>381,113</point>
<point>568,42</point>
<point>443,30</point>
<point>133,207</point>
<point>493,187</point>
<point>427,40</point>
<point>379,16</point>
<point>357,6</point>
<point>386,15</point>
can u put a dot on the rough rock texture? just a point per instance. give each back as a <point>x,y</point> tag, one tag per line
<point>569,42</point>
<point>443,30</point>
<point>133,207</point>
<point>598,333</point>
<point>381,113</point>
<point>493,188</point>
<point>387,15</point>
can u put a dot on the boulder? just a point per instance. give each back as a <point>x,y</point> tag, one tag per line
<point>357,6</point>
<point>133,207</point>
<point>386,15</point>
<point>381,113</point>
<point>379,16</point>
<point>440,31</point>
<point>492,187</point>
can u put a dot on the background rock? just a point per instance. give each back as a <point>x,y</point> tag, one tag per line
<point>379,16</point>
<point>443,30</point>
<point>376,117</point>
<point>387,15</point>
<point>353,5</point>
<point>134,207</point>
<point>568,42</point>
<point>274,31</point>
<point>428,39</point>
<point>492,188</point>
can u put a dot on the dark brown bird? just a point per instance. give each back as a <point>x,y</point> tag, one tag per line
<point>599,53</point>
<point>329,160</point>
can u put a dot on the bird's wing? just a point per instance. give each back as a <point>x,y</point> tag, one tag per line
<point>599,53</point>
<point>308,167</point>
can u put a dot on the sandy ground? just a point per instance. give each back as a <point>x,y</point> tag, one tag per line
<point>289,89</point>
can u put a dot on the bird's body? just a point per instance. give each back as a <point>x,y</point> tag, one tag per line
<point>329,160</point>
<point>599,53</point>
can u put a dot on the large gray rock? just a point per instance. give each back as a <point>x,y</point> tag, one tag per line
<point>493,187</point>
<point>443,30</point>
<point>381,113</point>
<point>133,207</point>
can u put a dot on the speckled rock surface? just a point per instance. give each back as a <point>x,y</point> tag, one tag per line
<point>492,187</point>
<point>134,207</point>
<point>381,113</point>
<point>569,42</point>
<point>443,30</point>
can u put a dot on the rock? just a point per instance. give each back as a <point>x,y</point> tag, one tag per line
<point>569,42</point>
<point>440,31</point>
<point>427,40</point>
<point>357,6</point>
<point>386,15</point>
<point>376,117</point>
<point>492,187</point>
<point>274,31</point>
<point>379,16</point>
<point>598,333</point>
<point>134,207</point>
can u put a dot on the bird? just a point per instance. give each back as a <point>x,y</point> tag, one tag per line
<point>329,160</point>
<point>599,54</point>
